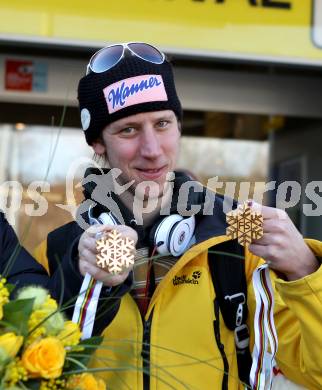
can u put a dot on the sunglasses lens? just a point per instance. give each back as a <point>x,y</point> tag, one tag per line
<point>147,52</point>
<point>106,58</point>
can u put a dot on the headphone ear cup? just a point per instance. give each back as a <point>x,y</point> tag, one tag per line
<point>161,233</point>
<point>107,219</point>
<point>180,236</point>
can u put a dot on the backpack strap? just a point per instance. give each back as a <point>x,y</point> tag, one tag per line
<point>227,268</point>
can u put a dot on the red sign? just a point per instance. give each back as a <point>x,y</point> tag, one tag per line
<point>18,75</point>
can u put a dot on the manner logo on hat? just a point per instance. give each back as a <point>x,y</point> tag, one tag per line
<point>134,90</point>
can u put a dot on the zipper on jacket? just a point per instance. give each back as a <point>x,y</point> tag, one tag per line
<point>146,352</point>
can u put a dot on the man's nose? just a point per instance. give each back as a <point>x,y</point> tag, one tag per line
<point>150,143</point>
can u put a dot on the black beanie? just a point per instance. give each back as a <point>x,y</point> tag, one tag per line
<point>131,87</point>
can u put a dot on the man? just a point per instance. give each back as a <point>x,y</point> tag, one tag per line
<point>158,320</point>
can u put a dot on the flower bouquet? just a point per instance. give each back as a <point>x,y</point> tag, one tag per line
<point>39,348</point>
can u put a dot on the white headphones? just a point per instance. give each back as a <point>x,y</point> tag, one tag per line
<point>173,235</point>
<point>103,219</point>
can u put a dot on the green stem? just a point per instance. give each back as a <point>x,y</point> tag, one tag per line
<point>78,363</point>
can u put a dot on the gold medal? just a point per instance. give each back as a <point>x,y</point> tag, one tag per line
<point>114,252</point>
<point>244,224</point>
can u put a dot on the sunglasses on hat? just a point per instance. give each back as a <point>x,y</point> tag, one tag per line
<point>109,56</point>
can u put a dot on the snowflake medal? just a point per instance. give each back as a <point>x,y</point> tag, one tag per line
<point>114,252</point>
<point>244,224</point>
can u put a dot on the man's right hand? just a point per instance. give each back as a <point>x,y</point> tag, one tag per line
<point>87,254</point>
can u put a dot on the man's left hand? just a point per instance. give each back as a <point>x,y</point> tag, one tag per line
<point>282,246</point>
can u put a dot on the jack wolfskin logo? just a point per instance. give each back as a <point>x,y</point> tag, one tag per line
<point>184,279</point>
<point>196,274</point>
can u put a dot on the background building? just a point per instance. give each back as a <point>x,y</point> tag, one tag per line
<point>248,74</point>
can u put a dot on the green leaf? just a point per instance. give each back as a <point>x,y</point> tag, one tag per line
<point>95,340</point>
<point>32,384</point>
<point>90,346</point>
<point>10,287</point>
<point>17,313</point>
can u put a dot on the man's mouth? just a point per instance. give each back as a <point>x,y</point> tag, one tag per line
<point>151,170</point>
<point>151,173</point>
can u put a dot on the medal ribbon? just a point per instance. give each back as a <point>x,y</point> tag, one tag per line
<point>265,332</point>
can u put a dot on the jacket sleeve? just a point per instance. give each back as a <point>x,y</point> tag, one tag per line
<point>16,264</point>
<point>298,319</point>
<point>21,269</point>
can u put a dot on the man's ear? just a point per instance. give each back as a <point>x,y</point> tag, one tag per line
<point>99,147</point>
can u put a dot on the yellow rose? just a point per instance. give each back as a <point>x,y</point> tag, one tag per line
<point>10,344</point>
<point>45,358</point>
<point>85,381</point>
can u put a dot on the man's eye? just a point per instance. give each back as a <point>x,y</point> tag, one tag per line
<point>163,123</point>
<point>127,131</point>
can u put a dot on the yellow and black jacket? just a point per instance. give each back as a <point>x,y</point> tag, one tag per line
<point>175,342</point>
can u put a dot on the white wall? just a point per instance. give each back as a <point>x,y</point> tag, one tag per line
<point>48,153</point>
